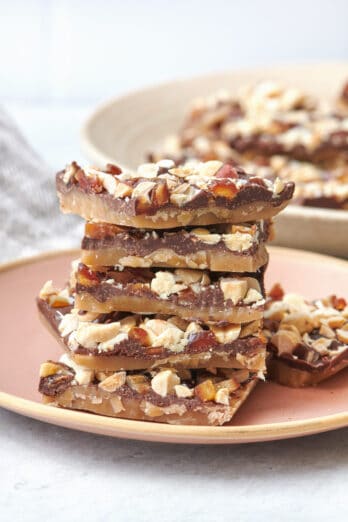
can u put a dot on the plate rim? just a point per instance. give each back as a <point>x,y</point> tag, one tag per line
<point>152,431</point>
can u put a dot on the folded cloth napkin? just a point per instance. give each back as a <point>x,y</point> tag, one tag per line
<point>29,212</point>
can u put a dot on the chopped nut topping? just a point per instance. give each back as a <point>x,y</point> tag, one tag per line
<point>70,171</point>
<point>164,284</point>
<point>139,383</point>
<point>68,324</point>
<point>183,391</point>
<point>252,296</point>
<point>286,339</point>
<point>82,375</point>
<point>303,321</point>
<point>148,170</point>
<point>278,186</point>
<point>292,322</point>
<point>234,289</point>
<point>48,290</point>
<point>122,190</point>
<point>113,382</point>
<point>342,335</point>
<point>205,391</point>
<point>222,396</point>
<point>238,241</point>
<point>163,333</point>
<point>49,368</point>
<point>336,321</point>
<point>210,168</point>
<point>227,334</point>
<point>89,334</point>
<point>188,276</point>
<point>143,190</point>
<point>326,331</point>
<point>230,384</point>
<point>163,383</point>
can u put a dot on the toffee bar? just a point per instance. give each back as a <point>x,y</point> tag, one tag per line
<point>308,340</point>
<point>234,248</point>
<point>119,341</point>
<point>175,397</point>
<point>189,294</point>
<point>315,186</point>
<point>263,121</point>
<point>161,195</point>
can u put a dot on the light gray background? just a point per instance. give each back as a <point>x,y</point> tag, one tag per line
<point>57,60</point>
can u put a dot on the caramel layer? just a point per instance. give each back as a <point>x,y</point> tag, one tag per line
<point>235,314</point>
<point>203,259</point>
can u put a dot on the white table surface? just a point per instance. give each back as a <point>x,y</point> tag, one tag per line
<point>55,474</point>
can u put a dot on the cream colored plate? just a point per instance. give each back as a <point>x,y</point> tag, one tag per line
<point>271,412</point>
<point>124,129</point>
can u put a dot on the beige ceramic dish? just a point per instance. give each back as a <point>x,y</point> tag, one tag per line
<point>124,129</point>
<point>272,411</point>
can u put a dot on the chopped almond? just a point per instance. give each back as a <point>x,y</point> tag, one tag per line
<point>205,391</point>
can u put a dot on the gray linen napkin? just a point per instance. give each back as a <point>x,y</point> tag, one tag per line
<point>30,220</point>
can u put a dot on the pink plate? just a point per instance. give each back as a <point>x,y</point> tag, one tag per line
<point>272,412</point>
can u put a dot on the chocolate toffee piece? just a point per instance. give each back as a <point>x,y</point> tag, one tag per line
<point>314,186</point>
<point>170,396</point>
<point>303,136</point>
<point>119,341</point>
<point>210,118</point>
<point>309,340</point>
<point>189,294</point>
<point>270,120</point>
<point>161,195</point>
<point>233,248</point>
<point>314,137</point>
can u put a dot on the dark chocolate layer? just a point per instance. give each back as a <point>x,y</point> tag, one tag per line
<point>181,241</point>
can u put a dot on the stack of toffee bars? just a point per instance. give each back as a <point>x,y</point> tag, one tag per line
<point>163,314</point>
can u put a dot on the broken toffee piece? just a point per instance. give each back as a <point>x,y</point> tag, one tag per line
<point>234,248</point>
<point>120,341</point>
<point>314,137</point>
<point>189,294</point>
<point>309,340</point>
<point>314,186</point>
<point>264,120</point>
<point>207,119</point>
<point>170,396</point>
<point>161,195</point>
